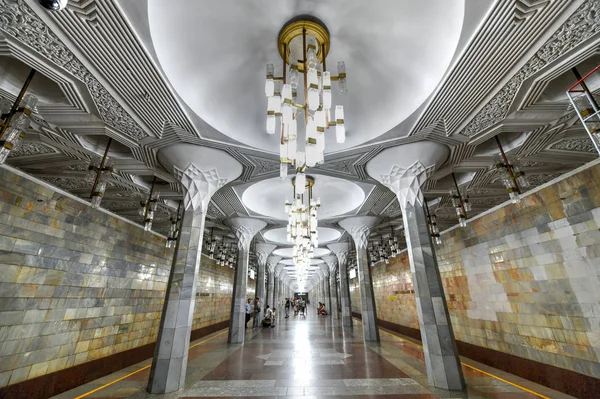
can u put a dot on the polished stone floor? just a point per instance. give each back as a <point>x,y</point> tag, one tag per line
<point>312,357</point>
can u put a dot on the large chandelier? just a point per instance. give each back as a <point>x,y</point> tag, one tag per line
<point>303,45</point>
<point>302,223</point>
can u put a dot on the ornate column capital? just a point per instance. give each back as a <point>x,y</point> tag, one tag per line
<point>332,262</point>
<point>359,228</point>
<point>272,261</point>
<point>324,270</point>
<point>263,250</point>
<point>406,182</point>
<point>245,229</point>
<point>340,249</point>
<point>198,186</point>
<point>278,270</point>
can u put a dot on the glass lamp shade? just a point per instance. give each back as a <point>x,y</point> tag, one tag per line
<point>271,123</point>
<point>269,87</point>
<point>342,84</point>
<point>287,113</point>
<point>95,202</point>
<point>514,196</point>
<point>462,222</point>
<point>313,98</point>
<point>269,83</point>
<point>438,240</point>
<point>311,57</point>
<point>29,102</point>
<point>293,77</point>
<point>300,183</point>
<point>340,133</point>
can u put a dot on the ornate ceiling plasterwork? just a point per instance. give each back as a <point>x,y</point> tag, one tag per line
<point>583,24</point>
<point>134,116</point>
<point>18,20</point>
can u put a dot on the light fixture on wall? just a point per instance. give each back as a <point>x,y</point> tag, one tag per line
<point>585,102</point>
<point>16,117</point>
<point>461,203</point>
<point>302,222</point>
<point>99,172</point>
<point>384,248</point>
<point>303,45</point>
<point>174,228</point>
<point>433,227</point>
<point>512,177</point>
<point>149,207</point>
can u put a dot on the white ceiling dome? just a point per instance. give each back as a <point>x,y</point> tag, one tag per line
<point>214,54</point>
<point>279,236</point>
<point>338,196</point>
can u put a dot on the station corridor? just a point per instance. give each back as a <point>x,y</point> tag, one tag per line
<point>311,357</point>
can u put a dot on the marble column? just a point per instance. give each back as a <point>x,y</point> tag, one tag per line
<point>272,261</point>
<point>360,228</point>
<point>325,272</point>
<point>244,229</point>
<point>263,251</point>
<point>331,261</point>
<point>341,252</point>
<point>199,183</point>
<point>439,346</point>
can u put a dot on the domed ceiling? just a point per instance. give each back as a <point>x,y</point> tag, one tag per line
<point>214,54</point>
<point>338,196</point>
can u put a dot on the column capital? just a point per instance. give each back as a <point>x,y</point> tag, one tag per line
<point>278,270</point>
<point>332,262</point>
<point>198,186</point>
<point>359,228</point>
<point>245,229</point>
<point>200,170</point>
<point>406,182</point>
<point>324,270</point>
<point>263,250</point>
<point>341,250</point>
<point>272,261</point>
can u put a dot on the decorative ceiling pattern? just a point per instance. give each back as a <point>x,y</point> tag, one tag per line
<point>129,99</point>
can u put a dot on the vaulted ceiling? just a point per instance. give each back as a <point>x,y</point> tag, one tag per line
<point>149,74</point>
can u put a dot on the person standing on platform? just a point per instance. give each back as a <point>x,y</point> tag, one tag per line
<point>287,307</point>
<point>257,311</point>
<point>248,313</point>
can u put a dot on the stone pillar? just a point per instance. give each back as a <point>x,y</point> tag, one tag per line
<point>360,228</point>
<point>271,263</point>
<point>341,252</point>
<point>262,253</point>
<point>169,363</point>
<point>331,261</point>
<point>244,229</point>
<point>325,273</point>
<point>439,346</point>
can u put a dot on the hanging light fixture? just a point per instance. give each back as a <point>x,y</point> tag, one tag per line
<point>99,172</point>
<point>460,205</point>
<point>303,45</point>
<point>174,228</point>
<point>149,207</point>
<point>16,117</point>
<point>302,223</point>
<point>512,177</point>
<point>433,227</point>
<point>585,102</point>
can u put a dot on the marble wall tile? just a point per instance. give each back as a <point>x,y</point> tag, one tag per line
<point>77,284</point>
<point>523,279</point>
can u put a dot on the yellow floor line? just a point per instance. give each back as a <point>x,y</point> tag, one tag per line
<point>138,370</point>
<point>476,369</point>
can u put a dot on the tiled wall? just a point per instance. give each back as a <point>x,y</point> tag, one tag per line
<point>77,284</point>
<point>522,279</point>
